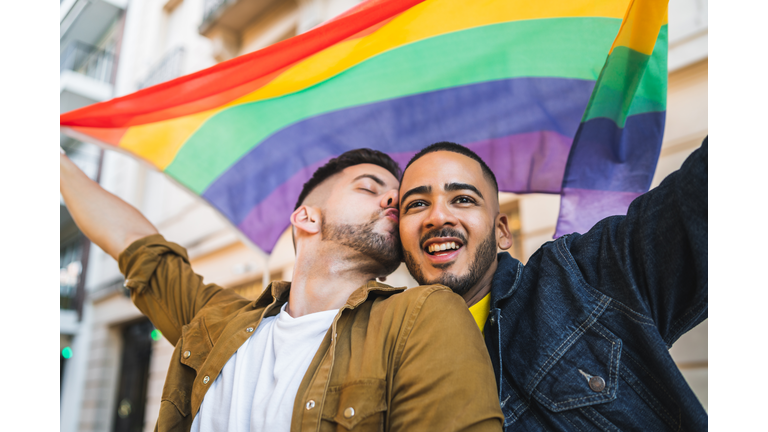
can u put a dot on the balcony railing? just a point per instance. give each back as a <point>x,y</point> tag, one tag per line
<point>88,60</point>
<point>168,68</point>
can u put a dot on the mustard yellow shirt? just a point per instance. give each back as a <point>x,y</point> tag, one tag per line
<point>480,311</point>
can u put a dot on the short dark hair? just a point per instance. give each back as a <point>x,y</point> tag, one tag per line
<point>460,149</point>
<point>345,160</point>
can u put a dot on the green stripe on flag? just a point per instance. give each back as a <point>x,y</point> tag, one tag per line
<point>561,47</point>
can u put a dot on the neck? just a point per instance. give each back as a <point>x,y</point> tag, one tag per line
<point>482,287</point>
<point>324,279</point>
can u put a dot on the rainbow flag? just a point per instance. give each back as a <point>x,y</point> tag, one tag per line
<point>617,145</point>
<point>510,79</point>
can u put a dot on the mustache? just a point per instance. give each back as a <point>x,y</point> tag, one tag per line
<point>442,232</point>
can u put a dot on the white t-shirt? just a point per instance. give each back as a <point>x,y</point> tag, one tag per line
<point>257,387</point>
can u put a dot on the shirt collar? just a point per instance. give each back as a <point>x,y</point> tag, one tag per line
<point>278,292</point>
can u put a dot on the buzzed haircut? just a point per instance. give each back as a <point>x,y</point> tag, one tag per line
<point>460,149</point>
<point>345,160</point>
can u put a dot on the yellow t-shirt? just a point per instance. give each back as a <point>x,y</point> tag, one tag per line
<point>480,311</point>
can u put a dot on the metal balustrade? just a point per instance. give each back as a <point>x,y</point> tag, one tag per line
<point>168,68</point>
<point>88,60</point>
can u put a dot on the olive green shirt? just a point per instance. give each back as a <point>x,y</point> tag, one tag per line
<point>401,360</point>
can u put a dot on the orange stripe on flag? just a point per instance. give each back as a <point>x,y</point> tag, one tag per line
<point>107,136</point>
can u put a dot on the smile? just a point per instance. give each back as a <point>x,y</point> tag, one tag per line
<point>436,248</point>
<point>442,250</point>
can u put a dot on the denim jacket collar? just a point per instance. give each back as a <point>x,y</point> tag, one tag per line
<point>506,279</point>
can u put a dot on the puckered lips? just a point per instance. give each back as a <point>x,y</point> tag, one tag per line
<point>393,214</point>
<point>440,250</point>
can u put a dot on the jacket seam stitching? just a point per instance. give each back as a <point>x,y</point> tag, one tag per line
<point>568,257</point>
<point>627,312</point>
<point>409,326</point>
<point>640,365</point>
<point>606,424</point>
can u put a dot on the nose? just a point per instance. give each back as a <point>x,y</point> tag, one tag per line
<point>390,199</point>
<point>439,215</point>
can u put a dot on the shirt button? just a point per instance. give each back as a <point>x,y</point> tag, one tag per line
<point>597,384</point>
<point>206,379</point>
<point>349,412</point>
<point>249,329</point>
<point>310,404</point>
<point>187,354</point>
<point>492,320</point>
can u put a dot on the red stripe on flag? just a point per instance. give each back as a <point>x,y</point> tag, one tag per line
<point>232,74</point>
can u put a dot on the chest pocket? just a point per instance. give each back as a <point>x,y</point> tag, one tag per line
<point>360,403</point>
<point>195,344</point>
<point>586,374</point>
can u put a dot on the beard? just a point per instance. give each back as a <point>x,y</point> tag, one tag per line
<point>460,284</point>
<point>382,252</point>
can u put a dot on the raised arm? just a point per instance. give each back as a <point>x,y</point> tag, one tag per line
<point>654,259</point>
<point>105,219</point>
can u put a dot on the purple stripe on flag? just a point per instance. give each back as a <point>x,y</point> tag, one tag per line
<point>529,162</point>
<point>581,209</point>
<point>466,114</point>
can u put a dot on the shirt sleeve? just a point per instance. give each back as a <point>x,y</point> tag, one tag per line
<point>163,285</point>
<point>654,259</point>
<point>444,379</point>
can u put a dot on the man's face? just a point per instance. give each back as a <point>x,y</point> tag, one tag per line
<point>361,213</point>
<point>448,213</point>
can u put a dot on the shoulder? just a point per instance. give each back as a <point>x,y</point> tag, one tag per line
<point>435,293</point>
<point>420,301</point>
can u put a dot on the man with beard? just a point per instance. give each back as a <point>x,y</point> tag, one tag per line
<point>579,336</point>
<point>331,350</point>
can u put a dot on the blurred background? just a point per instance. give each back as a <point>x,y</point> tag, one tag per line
<point>113,361</point>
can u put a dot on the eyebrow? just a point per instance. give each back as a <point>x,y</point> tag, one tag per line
<point>452,187</point>
<point>370,176</point>
<point>416,190</point>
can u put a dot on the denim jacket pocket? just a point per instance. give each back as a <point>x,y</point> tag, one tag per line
<point>195,344</point>
<point>350,405</point>
<point>586,374</point>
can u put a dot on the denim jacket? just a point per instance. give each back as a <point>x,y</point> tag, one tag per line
<point>579,336</point>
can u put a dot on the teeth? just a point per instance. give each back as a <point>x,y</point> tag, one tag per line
<point>435,247</point>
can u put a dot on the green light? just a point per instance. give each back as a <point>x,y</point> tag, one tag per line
<point>156,335</point>
<point>66,352</point>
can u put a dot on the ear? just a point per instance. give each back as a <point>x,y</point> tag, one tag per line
<point>503,236</point>
<point>306,220</point>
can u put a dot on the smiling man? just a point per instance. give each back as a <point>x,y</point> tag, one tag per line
<point>579,336</point>
<point>331,350</point>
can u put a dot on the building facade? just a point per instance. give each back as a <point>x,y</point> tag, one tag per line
<point>113,361</point>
